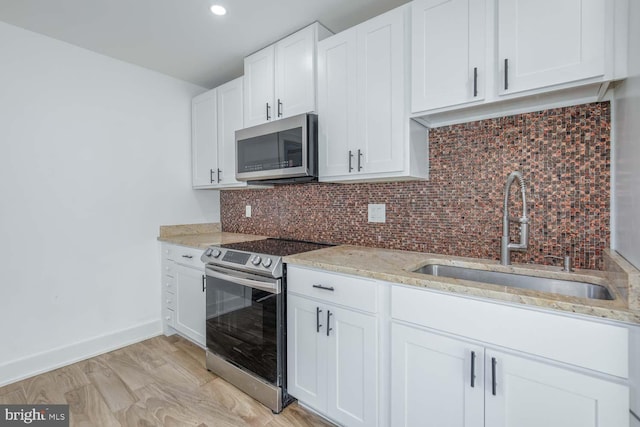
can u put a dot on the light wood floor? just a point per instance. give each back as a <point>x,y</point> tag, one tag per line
<point>158,382</point>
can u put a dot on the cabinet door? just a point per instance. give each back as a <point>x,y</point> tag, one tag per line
<point>295,74</point>
<point>259,87</point>
<point>229,120</point>
<point>431,380</point>
<point>381,93</point>
<point>204,139</point>
<point>448,53</point>
<point>549,42</point>
<point>336,103</point>
<point>190,304</point>
<point>352,367</point>
<point>306,352</point>
<point>534,394</point>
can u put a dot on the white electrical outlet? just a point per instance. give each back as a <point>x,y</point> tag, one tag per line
<point>247,211</point>
<point>377,212</point>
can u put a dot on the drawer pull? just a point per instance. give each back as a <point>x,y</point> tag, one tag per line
<point>318,325</point>
<point>326,288</point>
<point>187,256</point>
<point>473,369</point>
<point>493,375</point>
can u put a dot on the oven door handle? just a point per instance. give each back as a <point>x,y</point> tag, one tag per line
<point>267,286</point>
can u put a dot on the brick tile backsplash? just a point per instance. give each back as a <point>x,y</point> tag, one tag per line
<point>563,153</point>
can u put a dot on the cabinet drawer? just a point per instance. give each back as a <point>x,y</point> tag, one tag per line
<point>188,256</point>
<point>589,344</point>
<point>169,284</point>
<point>168,268</point>
<point>170,317</point>
<point>170,301</point>
<point>354,292</point>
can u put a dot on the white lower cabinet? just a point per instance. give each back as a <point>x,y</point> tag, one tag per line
<point>332,351</point>
<point>529,393</point>
<point>190,303</point>
<point>183,293</point>
<point>431,380</point>
<point>443,381</point>
<point>332,360</point>
<point>509,367</point>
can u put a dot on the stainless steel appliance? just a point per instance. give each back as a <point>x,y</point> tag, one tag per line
<point>278,152</point>
<point>246,318</point>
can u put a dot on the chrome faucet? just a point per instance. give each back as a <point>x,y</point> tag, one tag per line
<point>507,246</point>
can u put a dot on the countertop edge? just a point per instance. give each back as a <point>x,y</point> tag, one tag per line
<point>475,290</point>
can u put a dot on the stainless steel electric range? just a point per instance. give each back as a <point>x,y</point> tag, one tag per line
<point>246,315</point>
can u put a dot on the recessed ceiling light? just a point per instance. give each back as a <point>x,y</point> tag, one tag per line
<point>216,9</point>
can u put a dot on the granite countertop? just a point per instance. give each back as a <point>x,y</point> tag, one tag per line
<point>200,236</point>
<point>396,266</point>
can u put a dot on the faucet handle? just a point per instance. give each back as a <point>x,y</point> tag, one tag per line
<point>567,266</point>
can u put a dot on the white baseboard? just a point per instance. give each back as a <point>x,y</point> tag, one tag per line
<point>48,360</point>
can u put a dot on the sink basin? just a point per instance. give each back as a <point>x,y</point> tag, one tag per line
<point>555,286</point>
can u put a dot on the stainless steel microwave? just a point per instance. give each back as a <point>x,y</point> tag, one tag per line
<point>278,152</point>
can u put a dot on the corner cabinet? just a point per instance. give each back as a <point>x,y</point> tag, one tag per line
<point>183,293</point>
<point>364,129</point>
<point>558,372</point>
<point>280,80</point>
<point>216,115</point>
<point>332,345</point>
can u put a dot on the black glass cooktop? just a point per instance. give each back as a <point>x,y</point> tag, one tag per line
<point>276,247</point>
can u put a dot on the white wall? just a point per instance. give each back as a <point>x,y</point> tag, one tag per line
<point>626,122</point>
<point>94,156</point>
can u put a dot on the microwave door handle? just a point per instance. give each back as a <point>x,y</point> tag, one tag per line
<point>243,281</point>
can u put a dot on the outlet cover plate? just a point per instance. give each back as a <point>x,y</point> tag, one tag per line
<point>377,212</point>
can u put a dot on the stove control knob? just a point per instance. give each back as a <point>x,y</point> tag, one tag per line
<point>208,252</point>
<point>216,253</point>
<point>267,262</point>
<point>256,260</point>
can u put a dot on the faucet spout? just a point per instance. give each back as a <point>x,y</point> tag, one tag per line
<point>506,245</point>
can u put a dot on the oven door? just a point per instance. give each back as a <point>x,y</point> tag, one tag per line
<point>245,315</point>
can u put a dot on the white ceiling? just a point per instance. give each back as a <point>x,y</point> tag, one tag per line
<point>182,38</point>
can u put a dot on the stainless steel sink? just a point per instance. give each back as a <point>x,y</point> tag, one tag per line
<point>556,286</point>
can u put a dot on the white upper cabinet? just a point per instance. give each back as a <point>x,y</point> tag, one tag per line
<point>364,131</point>
<point>229,121</point>
<point>295,76</point>
<point>476,59</point>
<point>448,53</point>
<point>336,102</point>
<point>280,80</point>
<point>216,115</point>
<point>204,138</point>
<point>548,42</point>
<point>258,84</point>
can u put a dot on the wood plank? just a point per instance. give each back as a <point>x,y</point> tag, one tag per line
<point>42,389</point>
<point>133,375</point>
<point>177,406</point>
<point>115,392</point>
<point>296,416</point>
<point>149,361</point>
<point>88,408</point>
<point>249,410</point>
<point>69,377</point>
<point>14,397</point>
<point>161,344</point>
<point>192,350</point>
